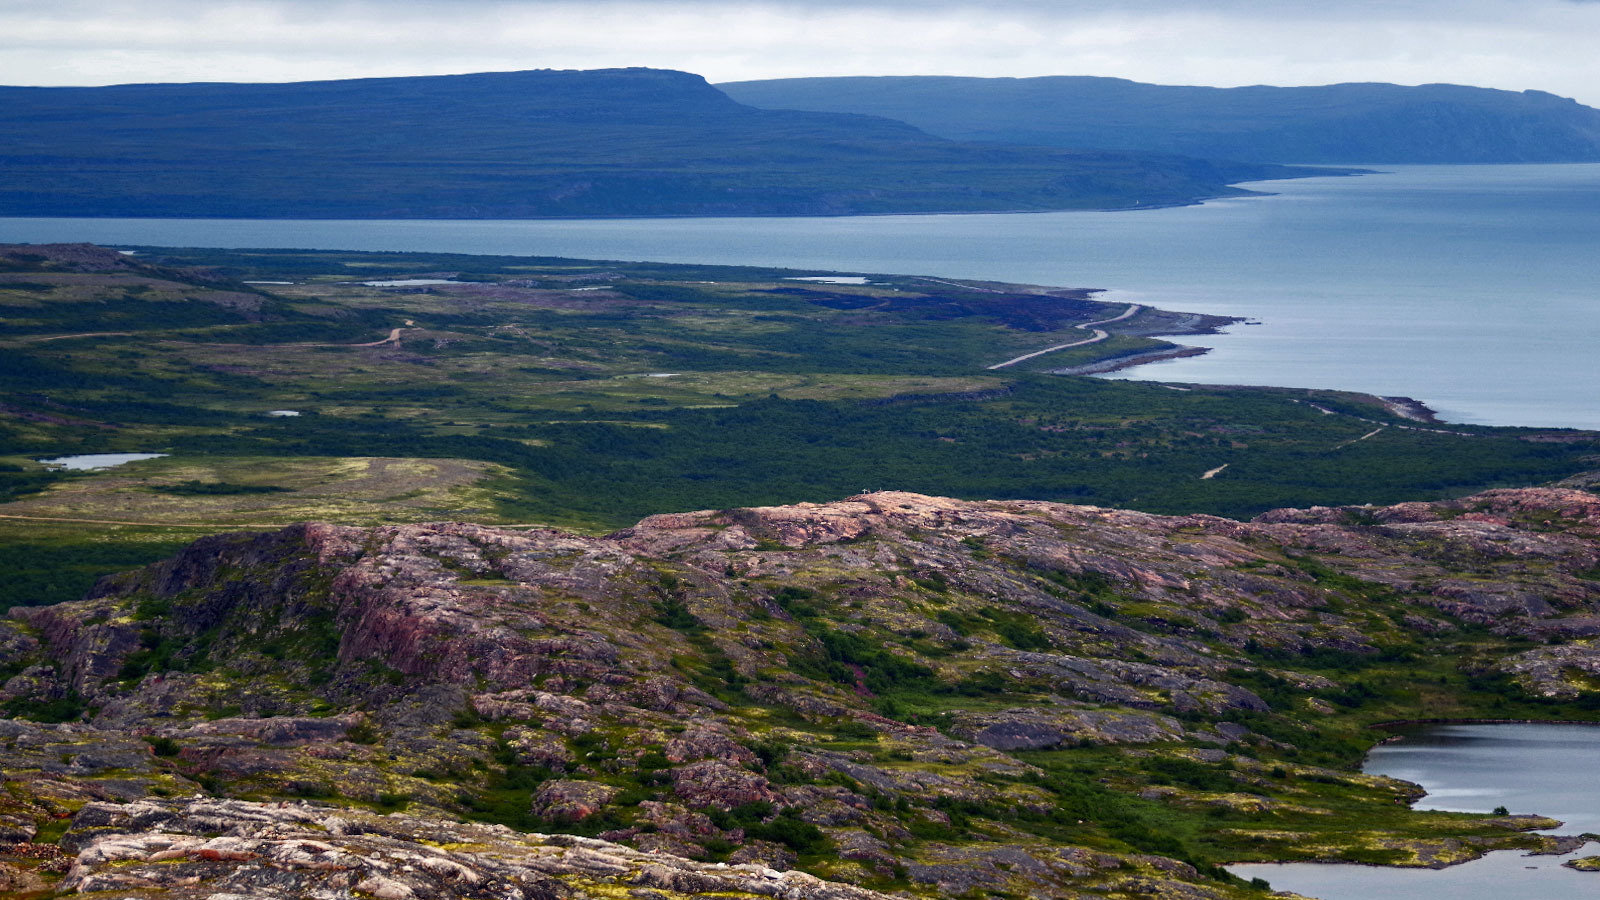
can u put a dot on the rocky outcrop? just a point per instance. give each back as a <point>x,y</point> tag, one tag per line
<point>1564,673</point>
<point>399,596</point>
<point>887,690</point>
<point>208,849</point>
<point>1043,729</point>
<point>718,785</point>
<point>571,800</point>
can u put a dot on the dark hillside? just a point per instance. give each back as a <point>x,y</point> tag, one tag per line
<point>1338,123</point>
<point>618,142</point>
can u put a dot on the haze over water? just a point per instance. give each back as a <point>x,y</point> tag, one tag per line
<point>1475,289</point>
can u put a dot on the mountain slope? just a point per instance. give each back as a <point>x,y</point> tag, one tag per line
<point>903,692</point>
<point>1340,123</point>
<point>524,144</point>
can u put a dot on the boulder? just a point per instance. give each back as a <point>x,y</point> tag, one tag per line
<point>571,800</point>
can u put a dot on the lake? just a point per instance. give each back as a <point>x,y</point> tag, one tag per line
<point>1475,289</point>
<point>92,462</point>
<point>1544,769</point>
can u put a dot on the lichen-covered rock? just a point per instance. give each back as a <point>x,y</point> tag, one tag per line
<point>17,879</point>
<point>671,818</point>
<point>856,844</point>
<point>1044,728</point>
<point>1562,673</point>
<point>764,853</point>
<point>194,850</point>
<point>572,800</point>
<point>708,743</point>
<point>956,870</point>
<point>538,748</point>
<point>670,844</point>
<point>716,784</point>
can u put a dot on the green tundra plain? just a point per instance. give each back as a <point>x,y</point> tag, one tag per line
<point>588,394</point>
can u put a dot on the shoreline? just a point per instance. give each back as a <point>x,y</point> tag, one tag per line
<point>1402,407</point>
<point>1118,363</point>
<point>1399,723</point>
<point>1407,408</point>
<point>1161,322</point>
<point>1231,191</point>
<point>1415,410</point>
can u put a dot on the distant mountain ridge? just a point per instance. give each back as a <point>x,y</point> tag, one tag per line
<point>1339,123</point>
<point>616,142</point>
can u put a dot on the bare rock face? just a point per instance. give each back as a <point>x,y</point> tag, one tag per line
<point>707,743</point>
<point>571,800</point>
<point>398,596</point>
<point>538,748</point>
<point>1043,729</point>
<point>764,853</point>
<point>206,849</point>
<point>1564,673</point>
<point>717,784</point>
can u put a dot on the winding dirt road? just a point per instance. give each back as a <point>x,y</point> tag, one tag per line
<point>1099,335</point>
<point>393,338</point>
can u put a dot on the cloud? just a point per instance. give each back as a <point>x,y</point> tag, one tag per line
<point>1544,44</point>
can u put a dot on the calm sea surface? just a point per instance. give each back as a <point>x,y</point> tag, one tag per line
<point>1475,289</point>
<point>1545,769</point>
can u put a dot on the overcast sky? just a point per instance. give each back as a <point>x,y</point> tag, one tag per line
<point>1551,45</point>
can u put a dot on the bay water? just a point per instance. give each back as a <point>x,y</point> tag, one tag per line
<point>1527,768</point>
<point>1475,289</point>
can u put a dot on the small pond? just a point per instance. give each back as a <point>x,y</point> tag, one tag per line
<point>1544,769</point>
<point>830,279</point>
<point>91,461</point>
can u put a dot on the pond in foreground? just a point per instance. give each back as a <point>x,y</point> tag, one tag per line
<point>1544,769</point>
